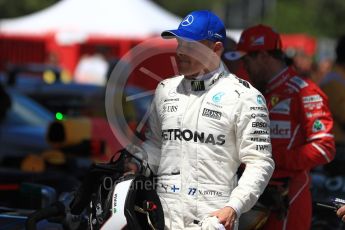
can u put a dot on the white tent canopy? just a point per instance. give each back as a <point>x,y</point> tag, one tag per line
<point>79,19</point>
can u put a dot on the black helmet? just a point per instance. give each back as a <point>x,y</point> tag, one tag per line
<point>126,202</point>
<point>132,203</point>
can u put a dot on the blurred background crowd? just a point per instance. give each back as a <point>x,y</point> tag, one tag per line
<point>56,57</point>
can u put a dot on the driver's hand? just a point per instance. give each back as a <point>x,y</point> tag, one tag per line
<point>226,216</point>
<point>341,213</point>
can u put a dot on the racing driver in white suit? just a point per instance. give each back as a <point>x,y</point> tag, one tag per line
<point>203,125</point>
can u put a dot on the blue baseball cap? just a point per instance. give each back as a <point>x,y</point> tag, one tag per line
<point>199,25</point>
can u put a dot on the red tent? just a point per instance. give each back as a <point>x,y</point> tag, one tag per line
<point>71,28</point>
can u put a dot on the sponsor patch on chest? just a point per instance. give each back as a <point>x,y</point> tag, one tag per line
<point>280,129</point>
<point>313,102</point>
<point>169,108</point>
<point>283,107</point>
<point>212,114</point>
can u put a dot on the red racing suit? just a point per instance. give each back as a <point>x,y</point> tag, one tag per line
<point>301,125</point>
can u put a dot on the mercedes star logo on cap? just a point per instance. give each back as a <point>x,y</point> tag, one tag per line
<point>188,20</point>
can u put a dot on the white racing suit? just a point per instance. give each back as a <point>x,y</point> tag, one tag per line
<point>200,131</point>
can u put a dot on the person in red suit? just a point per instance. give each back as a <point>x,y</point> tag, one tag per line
<point>300,123</point>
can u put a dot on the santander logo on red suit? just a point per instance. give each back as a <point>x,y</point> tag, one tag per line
<point>280,129</point>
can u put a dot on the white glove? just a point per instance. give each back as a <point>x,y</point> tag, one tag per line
<point>211,223</point>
